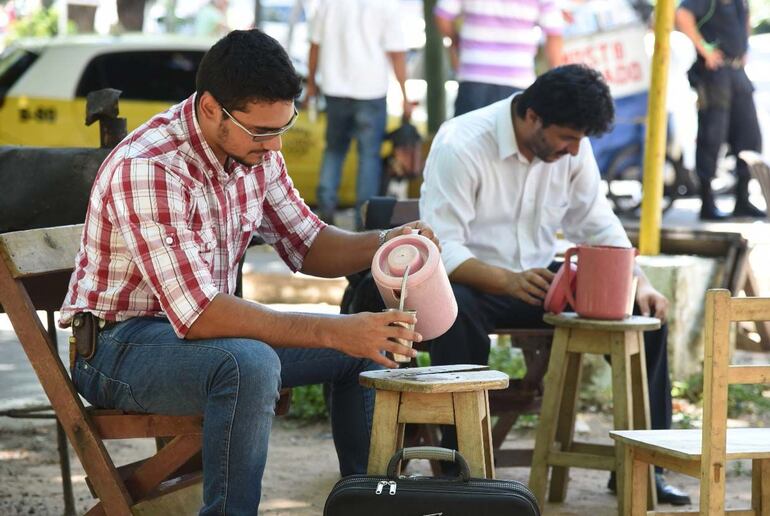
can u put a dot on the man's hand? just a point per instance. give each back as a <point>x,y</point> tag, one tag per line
<point>421,227</point>
<point>714,58</point>
<point>530,286</point>
<point>651,302</point>
<point>367,335</point>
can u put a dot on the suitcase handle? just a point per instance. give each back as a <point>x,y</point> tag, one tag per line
<point>429,453</point>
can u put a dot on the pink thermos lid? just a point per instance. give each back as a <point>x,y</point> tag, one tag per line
<point>428,290</point>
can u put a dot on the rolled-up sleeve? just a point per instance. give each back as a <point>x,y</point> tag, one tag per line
<point>148,206</point>
<point>288,224</point>
<point>446,201</point>
<point>589,218</point>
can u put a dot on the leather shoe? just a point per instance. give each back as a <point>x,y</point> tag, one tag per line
<point>666,492</point>
<point>746,209</point>
<point>711,212</point>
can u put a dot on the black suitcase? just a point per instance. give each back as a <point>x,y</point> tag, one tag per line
<point>391,495</point>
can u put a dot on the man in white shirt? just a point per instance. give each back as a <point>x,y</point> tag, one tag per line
<point>499,182</point>
<point>351,42</point>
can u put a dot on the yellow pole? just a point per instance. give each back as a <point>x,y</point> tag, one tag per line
<point>655,138</point>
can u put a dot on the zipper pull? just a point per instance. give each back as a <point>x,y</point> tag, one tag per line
<point>392,488</point>
<point>380,485</point>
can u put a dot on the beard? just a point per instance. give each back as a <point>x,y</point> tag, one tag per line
<point>543,150</point>
<point>249,161</point>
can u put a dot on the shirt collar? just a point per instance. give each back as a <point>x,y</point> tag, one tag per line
<point>506,137</point>
<point>202,150</point>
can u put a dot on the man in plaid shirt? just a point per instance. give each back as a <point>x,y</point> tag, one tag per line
<point>171,213</point>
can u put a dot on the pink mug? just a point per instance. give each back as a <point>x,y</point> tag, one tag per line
<point>604,281</point>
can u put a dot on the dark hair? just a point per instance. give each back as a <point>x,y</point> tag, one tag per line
<point>574,96</point>
<point>247,66</point>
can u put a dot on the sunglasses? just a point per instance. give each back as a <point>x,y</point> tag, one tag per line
<point>260,137</point>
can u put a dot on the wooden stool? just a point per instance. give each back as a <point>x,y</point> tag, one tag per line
<point>449,395</point>
<point>624,343</point>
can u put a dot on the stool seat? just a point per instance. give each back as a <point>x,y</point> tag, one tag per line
<point>573,320</point>
<point>434,379</point>
<point>455,395</point>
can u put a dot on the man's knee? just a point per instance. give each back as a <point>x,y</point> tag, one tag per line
<point>251,367</point>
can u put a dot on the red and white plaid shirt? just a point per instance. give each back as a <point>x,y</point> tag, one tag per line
<point>167,224</point>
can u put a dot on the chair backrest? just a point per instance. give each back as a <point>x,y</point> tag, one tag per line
<point>721,311</point>
<point>760,170</point>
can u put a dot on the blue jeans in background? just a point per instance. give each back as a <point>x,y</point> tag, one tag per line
<point>476,95</point>
<point>142,366</point>
<point>346,119</point>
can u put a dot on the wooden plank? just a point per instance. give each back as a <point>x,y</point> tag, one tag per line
<point>385,431</point>
<point>566,425</point>
<point>572,320</point>
<point>748,374</point>
<point>719,309</point>
<point>183,498</point>
<point>145,478</point>
<point>581,460</point>
<point>605,450</point>
<point>470,441</point>
<point>589,341</point>
<point>546,428</point>
<point>418,407</point>
<point>128,426</point>
<point>61,393</point>
<point>417,379</point>
<point>750,309</point>
<point>40,251</point>
<point>486,434</point>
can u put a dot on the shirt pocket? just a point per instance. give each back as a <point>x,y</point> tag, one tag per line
<point>552,215</point>
<point>247,226</point>
<point>206,241</point>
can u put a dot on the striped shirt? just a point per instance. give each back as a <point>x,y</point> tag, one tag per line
<point>167,224</point>
<point>499,38</point>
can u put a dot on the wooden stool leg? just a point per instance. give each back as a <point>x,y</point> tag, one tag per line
<point>469,411</point>
<point>566,427</point>
<point>546,428</point>
<point>621,400</point>
<point>386,431</point>
<point>760,486</point>
<point>632,500</point>
<point>641,399</point>
<point>486,434</point>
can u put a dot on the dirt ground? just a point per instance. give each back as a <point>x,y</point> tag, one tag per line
<point>301,470</point>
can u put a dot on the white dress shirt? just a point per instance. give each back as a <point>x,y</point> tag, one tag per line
<point>354,37</point>
<point>485,200</point>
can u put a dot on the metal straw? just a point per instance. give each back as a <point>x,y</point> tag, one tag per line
<point>402,298</point>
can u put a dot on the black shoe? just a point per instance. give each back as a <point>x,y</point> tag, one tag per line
<point>709,211</point>
<point>746,209</point>
<point>668,493</point>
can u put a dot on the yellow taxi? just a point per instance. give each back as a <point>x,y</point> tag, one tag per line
<point>44,83</point>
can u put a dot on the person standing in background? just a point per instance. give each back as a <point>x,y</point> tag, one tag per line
<point>211,19</point>
<point>351,42</point>
<point>494,52</point>
<point>720,30</point>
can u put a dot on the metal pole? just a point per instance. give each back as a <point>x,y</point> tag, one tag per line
<point>655,138</point>
<point>434,70</point>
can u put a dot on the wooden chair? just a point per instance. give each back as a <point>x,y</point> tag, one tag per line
<point>35,266</point>
<point>523,395</point>
<point>704,453</point>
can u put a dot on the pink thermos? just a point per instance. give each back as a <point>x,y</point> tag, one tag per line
<point>427,288</point>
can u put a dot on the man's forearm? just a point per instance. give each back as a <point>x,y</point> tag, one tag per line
<point>230,316</point>
<point>398,60</point>
<point>554,50</point>
<point>685,23</point>
<point>481,276</point>
<point>312,64</point>
<point>336,252</point>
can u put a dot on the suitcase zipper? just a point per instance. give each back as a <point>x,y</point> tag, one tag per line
<point>381,485</point>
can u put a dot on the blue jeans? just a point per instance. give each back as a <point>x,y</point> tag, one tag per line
<point>346,119</point>
<point>141,365</point>
<point>476,95</point>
